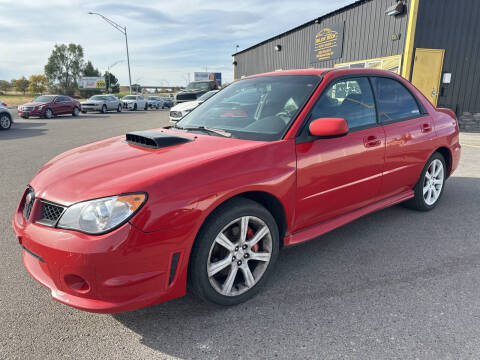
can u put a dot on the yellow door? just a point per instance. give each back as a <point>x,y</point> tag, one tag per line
<point>427,71</point>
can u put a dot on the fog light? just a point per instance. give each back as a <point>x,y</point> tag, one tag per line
<point>77,283</point>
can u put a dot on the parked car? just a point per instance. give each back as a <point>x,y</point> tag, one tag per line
<point>102,103</point>
<point>271,161</point>
<point>194,90</point>
<point>168,101</point>
<point>6,119</point>
<point>156,102</point>
<point>179,111</point>
<point>48,106</point>
<point>134,102</point>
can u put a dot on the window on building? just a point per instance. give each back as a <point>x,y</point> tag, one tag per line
<point>351,99</point>
<point>394,101</point>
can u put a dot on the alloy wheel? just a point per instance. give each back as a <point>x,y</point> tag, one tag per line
<point>239,256</point>
<point>5,122</point>
<point>48,114</point>
<point>433,182</point>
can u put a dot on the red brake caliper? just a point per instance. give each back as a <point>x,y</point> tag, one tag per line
<point>249,236</point>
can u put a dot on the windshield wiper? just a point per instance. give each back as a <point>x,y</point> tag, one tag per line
<point>206,129</point>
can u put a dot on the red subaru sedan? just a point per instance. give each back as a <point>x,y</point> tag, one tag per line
<point>270,161</point>
<point>48,106</point>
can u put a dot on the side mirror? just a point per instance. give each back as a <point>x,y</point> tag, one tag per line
<point>328,127</point>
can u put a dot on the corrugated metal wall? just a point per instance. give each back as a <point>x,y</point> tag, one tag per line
<point>453,26</point>
<point>368,34</point>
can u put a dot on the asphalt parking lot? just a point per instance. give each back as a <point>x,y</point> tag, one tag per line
<point>394,284</point>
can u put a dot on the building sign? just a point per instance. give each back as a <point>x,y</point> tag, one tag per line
<point>390,63</point>
<point>204,76</point>
<point>91,82</point>
<point>327,43</point>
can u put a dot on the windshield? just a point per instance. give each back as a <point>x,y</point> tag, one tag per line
<point>44,99</point>
<point>207,95</point>
<point>98,97</point>
<point>198,86</point>
<point>129,97</point>
<point>260,108</point>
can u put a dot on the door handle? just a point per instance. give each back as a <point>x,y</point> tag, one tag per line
<point>371,141</point>
<point>426,128</point>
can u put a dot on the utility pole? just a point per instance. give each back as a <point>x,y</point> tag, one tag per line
<point>123,30</point>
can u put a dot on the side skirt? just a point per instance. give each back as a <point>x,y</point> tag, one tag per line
<point>326,226</point>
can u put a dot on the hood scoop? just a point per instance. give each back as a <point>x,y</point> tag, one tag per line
<point>154,139</point>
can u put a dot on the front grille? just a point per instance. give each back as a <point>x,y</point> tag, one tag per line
<point>88,104</point>
<point>28,205</point>
<point>175,114</point>
<point>50,213</point>
<point>28,108</point>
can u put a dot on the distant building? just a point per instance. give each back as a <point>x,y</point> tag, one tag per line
<point>433,43</point>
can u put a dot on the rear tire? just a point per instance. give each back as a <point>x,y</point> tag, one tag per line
<point>135,107</point>
<point>234,253</point>
<point>119,108</point>
<point>430,186</point>
<point>146,107</point>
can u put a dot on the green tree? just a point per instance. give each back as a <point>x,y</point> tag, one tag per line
<point>90,70</point>
<point>5,85</point>
<point>22,84</point>
<point>38,84</point>
<point>64,67</point>
<point>136,88</point>
<point>112,82</point>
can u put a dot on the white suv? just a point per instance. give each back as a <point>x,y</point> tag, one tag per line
<point>6,119</point>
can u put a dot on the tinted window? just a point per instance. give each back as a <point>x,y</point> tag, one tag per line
<point>351,99</point>
<point>394,101</point>
<point>63,99</point>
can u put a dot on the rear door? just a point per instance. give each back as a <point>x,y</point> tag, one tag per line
<point>408,130</point>
<point>339,175</point>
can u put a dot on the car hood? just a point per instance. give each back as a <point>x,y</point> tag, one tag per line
<point>189,105</point>
<point>113,166</point>
<point>193,91</point>
<point>93,102</point>
<point>34,103</point>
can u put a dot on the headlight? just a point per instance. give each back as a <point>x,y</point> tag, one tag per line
<point>41,107</point>
<point>101,215</point>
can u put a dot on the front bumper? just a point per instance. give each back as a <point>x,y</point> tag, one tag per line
<point>87,108</point>
<point>34,112</point>
<point>128,106</point>
<point>123,270</point>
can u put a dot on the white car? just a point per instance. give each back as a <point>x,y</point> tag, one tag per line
<point>179,111</point>
<point>6,119</point>
<point>134,102</point>
<point>102,103</point>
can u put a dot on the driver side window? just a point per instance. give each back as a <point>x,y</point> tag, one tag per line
<point>351,99</point>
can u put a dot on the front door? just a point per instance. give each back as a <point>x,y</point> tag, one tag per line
<point>427,71</point>
<point>339,175</point>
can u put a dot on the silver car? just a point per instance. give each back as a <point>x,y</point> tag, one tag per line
<point>6,119</point>
<point>156,102</point>
<point>102,103</point>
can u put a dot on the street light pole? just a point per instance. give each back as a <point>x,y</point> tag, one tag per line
<point>123,30</point>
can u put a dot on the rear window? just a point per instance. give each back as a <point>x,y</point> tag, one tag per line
<point>394,101</point>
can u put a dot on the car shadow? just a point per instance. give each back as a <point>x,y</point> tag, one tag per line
<point>376,254</point>
<point>24,130</point>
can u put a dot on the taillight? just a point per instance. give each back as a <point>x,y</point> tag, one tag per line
<point>4,104</point>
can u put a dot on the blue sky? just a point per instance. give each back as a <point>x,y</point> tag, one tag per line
<point>167,39</point>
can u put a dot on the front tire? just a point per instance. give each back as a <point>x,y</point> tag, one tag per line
<point>76,111</point>
<point>146,107</point>
<point>234,252</point>
<point>5,121</point>
<point>104,109</point>
<point>430,186</point>
<point>119,108</point>
<point>48,114</point>
<point>134,107</point>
